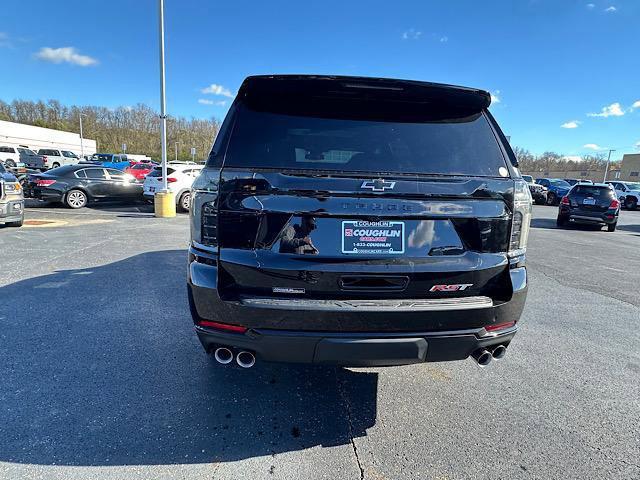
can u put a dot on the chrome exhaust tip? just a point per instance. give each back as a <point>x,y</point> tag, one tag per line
<point>499,352</point>
<point>223,355</point>
<point>246,359</point>
<point>482,357</point>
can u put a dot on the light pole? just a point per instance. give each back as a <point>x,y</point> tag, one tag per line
<point>177,151</point>
<point>80,115</point>
<point>163,107</point>
<point>606,170</point>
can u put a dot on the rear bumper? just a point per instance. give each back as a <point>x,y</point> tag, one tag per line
<point>45,194</point>
<point>280,332</point>
<point>355,349</point>
<point>578,216</point>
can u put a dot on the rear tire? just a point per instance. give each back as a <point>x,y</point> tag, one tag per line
<point>611,227</point>
<point>551,199</point>
<point>184,201</point>
<point>10,163</point>
<point>76,199</point>
<point>561,221</point>
<point>631,203</point>
<point>55,165</point>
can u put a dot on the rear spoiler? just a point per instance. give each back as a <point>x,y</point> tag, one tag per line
<point>360,97</point>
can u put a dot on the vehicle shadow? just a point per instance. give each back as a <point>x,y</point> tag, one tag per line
<point>550,223</point>
<point>126,208</point>
<point>543,223</point>
<point>94,377</point>
<point>630,228</point>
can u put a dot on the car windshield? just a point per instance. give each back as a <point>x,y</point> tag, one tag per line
<point>456,145</point>
<point>559,183</point>
<point>157,172</point>
<point>527,178</point>
<point>69,154</point>
<point>141,166</point>
<point>632,186</point>
<point>103,157</point>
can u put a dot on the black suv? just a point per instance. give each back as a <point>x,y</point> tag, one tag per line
<point>358,221</point>
<point>590,203</point>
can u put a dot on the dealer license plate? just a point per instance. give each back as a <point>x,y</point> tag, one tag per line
<point>372,238</point>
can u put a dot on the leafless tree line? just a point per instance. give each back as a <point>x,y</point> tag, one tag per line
<point>137,126</point>
<point>552,161</point>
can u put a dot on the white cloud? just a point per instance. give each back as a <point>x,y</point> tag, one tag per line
<point>611,9</point>
<point>613,110</point>
<point>495,96</point>
<point>573,158</point>
<point>637,145</point>
<point>591,6</point>
<point>411,34</point>
<point>4,40</point>
<point>65,55</point>
<point>636,104</point>
<point>215,89</point>
<point>592,146</point>
<point>444,39</point>
<point>571,124</point>
<point>206,101</point>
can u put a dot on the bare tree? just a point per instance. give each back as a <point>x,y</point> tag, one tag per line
<point>137,126</point>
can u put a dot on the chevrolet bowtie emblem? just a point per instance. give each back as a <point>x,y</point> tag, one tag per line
<point>378,185</point>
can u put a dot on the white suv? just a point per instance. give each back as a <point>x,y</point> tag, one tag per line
<point>628,193</point>
<point>58,158</point>
<point>180,177</point>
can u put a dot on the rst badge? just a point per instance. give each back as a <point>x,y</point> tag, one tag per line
<point>455,287</point>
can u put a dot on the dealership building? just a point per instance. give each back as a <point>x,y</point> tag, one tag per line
<point>20,135</point>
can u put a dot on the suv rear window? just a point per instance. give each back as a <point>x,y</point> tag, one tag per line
<point>593,191</point>
<point>460,145</point>
<point>157,172</point>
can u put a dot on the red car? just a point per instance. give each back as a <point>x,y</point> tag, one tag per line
<point>140,170</point>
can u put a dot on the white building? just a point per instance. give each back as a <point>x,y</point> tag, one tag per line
<point>17,134</point>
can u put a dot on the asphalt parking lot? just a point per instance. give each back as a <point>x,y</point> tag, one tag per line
<point>102,376</point>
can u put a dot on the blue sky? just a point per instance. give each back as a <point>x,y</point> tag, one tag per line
<point>549,62</point>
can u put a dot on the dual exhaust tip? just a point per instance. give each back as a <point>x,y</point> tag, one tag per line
<point>244,358</point>
<point>483,356</point>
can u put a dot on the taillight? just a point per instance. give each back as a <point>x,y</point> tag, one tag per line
<point>44,159</point>
<point>521,219</point>
<point>222,326</point>
<point>45,183</point>
<point>209,227</point>
<point>171,179</point>
<point>614,204</point>
<point>565,201</point>
<point>499,326</point>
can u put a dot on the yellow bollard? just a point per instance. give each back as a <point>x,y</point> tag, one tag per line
<point>164,204</point>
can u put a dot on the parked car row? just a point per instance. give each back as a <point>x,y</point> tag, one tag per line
<point>48,158</point>
<point>550,191</point>
<point>77,185</point>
